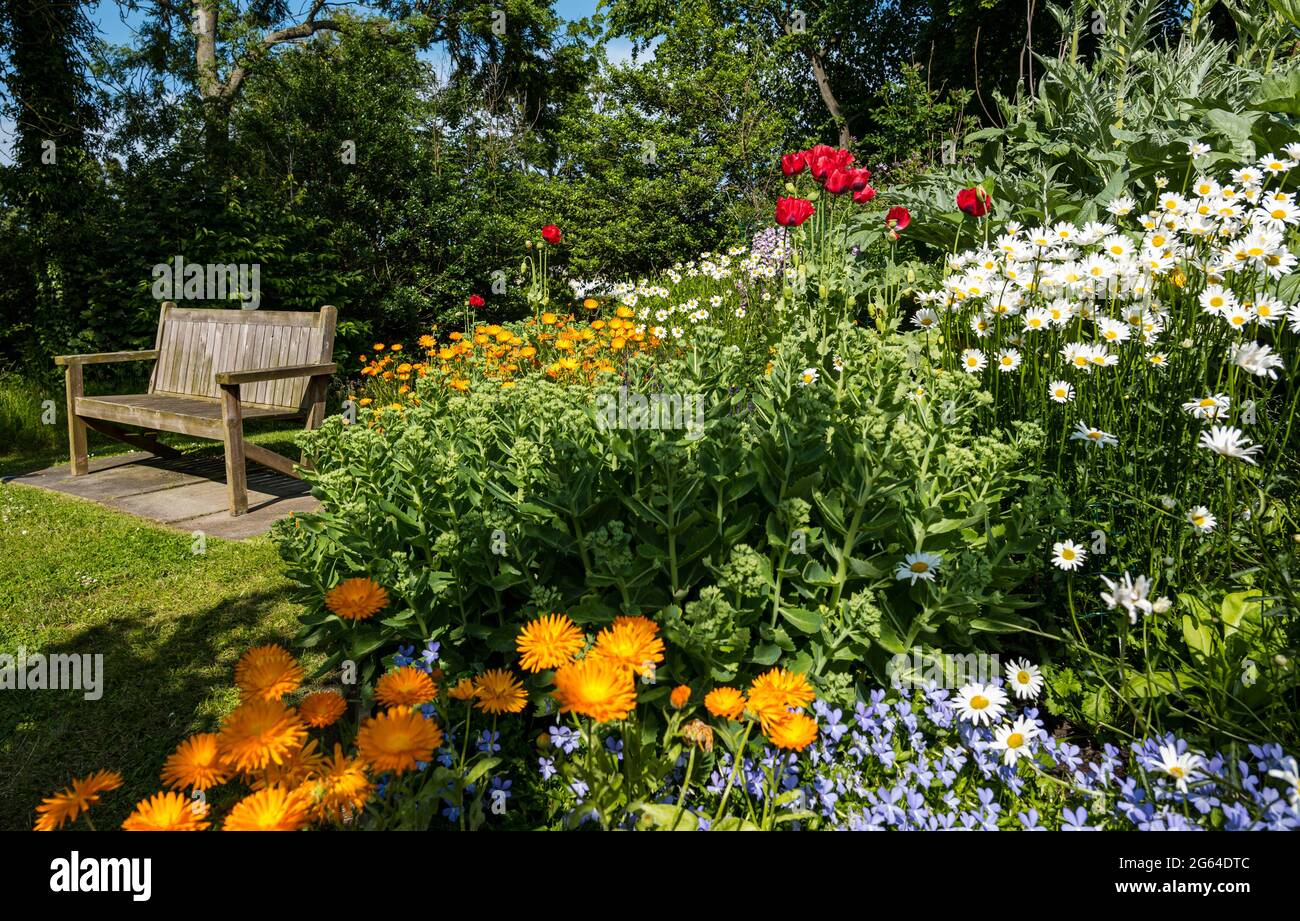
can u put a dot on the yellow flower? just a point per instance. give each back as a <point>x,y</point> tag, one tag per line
<point>267,673</point>
<point>773,694</point>
<point>356,599</point>
<point>725,703</point>
<point>463,690</point>
<point>498,692</point>
<point>168,812</point>
<point>196,764</point>
<point>590,303</point>
<point>322,708</point>
<point>64,807</point>
<point>293,770</point>
<point>340,788</point>
<point>405,687</point>
<point>794,733</point>
<point>594,687</point>
<point>396,739</point>
<point>273,809</point>
<point>632,643</point>
<point>680,695</point>
<point>548,642</point>
<point>258,733</point>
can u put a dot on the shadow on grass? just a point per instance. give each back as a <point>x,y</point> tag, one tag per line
<point>163,678</point>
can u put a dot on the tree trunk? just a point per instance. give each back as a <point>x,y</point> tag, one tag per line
<point>828,98</point>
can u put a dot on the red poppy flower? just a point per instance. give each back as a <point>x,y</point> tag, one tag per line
<point>897,218</point>
<point>551,234</point>
<point>476,300</point>
<point>792,164</point>
<point>864,195</point>
<point>791,212</point>
<point>974,201</point>
<point>839,181</point>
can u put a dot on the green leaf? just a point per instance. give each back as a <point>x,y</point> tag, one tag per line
<point>803,620</point>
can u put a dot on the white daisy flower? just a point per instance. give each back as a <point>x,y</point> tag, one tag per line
<point>1013,740</point>
<point>1227,441</point>
<point>1092,436</point>
<point>1060,391</point>
<point>1024,679</point>
<point>1289,774</point>
<point>1130,594</point>
<point>1201,519</point>
<point>980,704</point>
<point>808,376</point>
<point>921,565</point>
<point>1257,358</point>
<point>1008,360</point>
<point>1068,555</point>
<point>1179,767</point>
<point>973,361</point>
<point>1214,406</point>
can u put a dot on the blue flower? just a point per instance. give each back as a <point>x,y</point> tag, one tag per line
<point>546,767</point>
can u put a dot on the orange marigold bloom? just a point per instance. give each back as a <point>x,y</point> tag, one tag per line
<point>632,643</point>
<point>356,599</point>
<point>406,687</point>
<point>293,770</point>
<point>64,807</point>
<point>276,808</point>
<point>794,733</point>
<point>596,687</point>
<point>321,709</point>
<point>548,642</point>
<point>680,695</point>
<point>258,733</point>
<point>339,789</point>
<point>499,692</point>
<point>396,739</point>
<point>267,673</point>
<point>725,703</point>
<point>463,690</point>
<point>784,687</point>
<point>168,812</point>
<point>196,764</point>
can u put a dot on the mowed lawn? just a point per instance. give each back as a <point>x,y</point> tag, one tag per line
<point>169,622</point>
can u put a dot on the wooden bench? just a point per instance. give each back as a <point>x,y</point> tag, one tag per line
<point>212,370</point>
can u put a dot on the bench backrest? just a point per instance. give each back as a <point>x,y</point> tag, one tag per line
<point>195,344</point>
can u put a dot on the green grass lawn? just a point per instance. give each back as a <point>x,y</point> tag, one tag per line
<point>170,624</point>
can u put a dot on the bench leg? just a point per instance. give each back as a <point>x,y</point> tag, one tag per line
<point>316,393</point>
<point>232,421</point>
<point>75,384</point>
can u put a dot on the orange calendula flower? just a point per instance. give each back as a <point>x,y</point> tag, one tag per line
<point>794,733</point>
<point>548,642</point>
<point>267,673</point>
<point>784,687</point>
<point>168,812</point>
<point>55,811</point>
<point>499,692</point>
<point>463,690</point>
<point>276,808</point>
<point>258,733</point>
<point>293,770</point>
<point>725,703</point>
<point>356,599</point>
<point>632,643</point>
<point>595,687</point>
<point>680,695</point>
<point>406,687</point>
<point>340,788</point>
<point>321,709</point>
<point>396,739</point>
<point>195,764</point>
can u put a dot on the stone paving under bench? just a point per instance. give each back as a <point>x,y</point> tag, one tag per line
<point>186,493</point>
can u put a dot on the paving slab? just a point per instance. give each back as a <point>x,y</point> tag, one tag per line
<point>186,493</point>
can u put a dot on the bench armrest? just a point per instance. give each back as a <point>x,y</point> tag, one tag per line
<point>229,378</point>
<point>103,358</point>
